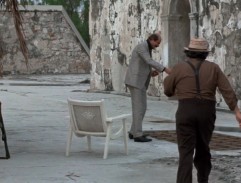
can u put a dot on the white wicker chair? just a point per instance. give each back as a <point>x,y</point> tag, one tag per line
<point>88,118</point>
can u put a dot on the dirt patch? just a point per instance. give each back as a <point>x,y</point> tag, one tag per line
<point>219,142</point>
<point>226,169</point>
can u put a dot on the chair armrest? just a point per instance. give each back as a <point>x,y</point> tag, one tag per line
<point>123,116</point>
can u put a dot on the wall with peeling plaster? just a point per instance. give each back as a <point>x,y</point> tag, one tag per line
<point>117,26</point>
<point>220,23</point>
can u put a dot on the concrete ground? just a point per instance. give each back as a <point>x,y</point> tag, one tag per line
<point>35,114</point>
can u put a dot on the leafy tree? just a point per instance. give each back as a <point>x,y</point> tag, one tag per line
<point>84,26</point>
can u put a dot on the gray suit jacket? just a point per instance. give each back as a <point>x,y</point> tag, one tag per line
<point>141,64</point>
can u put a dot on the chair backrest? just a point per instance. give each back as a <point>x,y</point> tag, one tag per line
<point>87,116</point>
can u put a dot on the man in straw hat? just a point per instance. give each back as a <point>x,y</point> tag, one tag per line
<point>194,82</point>
<point>137,80</point>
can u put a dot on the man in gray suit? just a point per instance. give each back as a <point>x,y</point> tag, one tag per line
<point>137,80</point>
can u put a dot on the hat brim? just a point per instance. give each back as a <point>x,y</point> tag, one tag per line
<point>196,50</point>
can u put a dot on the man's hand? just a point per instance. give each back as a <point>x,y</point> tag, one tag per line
<point>238,118</point>
<point>167,70</point>
<point>238,115</point>
<point>154,73</point>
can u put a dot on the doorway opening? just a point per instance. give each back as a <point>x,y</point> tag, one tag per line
<point>176,24</point>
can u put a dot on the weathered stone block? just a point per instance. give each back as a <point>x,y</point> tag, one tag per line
<point>52,43</point>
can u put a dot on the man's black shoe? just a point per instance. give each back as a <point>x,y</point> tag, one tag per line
<point>142,139</point>
<point>132,137</point>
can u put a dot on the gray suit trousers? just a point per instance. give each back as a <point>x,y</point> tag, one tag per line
<point>139,103</point>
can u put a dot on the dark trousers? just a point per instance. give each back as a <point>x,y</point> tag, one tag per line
<point>195,120</point>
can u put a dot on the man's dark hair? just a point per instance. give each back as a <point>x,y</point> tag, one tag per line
<point>194,54</point>
<point>154,37</point>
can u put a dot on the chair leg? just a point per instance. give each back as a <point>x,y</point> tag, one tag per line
<point>125,136</point>
<point>89,143</point>
<point>69,141</point>
<point>107,140</point>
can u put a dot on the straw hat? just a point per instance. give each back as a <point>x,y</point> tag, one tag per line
<point>198,45</point>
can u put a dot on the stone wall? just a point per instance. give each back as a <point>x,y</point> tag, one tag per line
<point>118,25</point>
<point>53,45</point>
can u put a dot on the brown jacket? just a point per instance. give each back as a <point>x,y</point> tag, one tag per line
<point>181,82</point>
